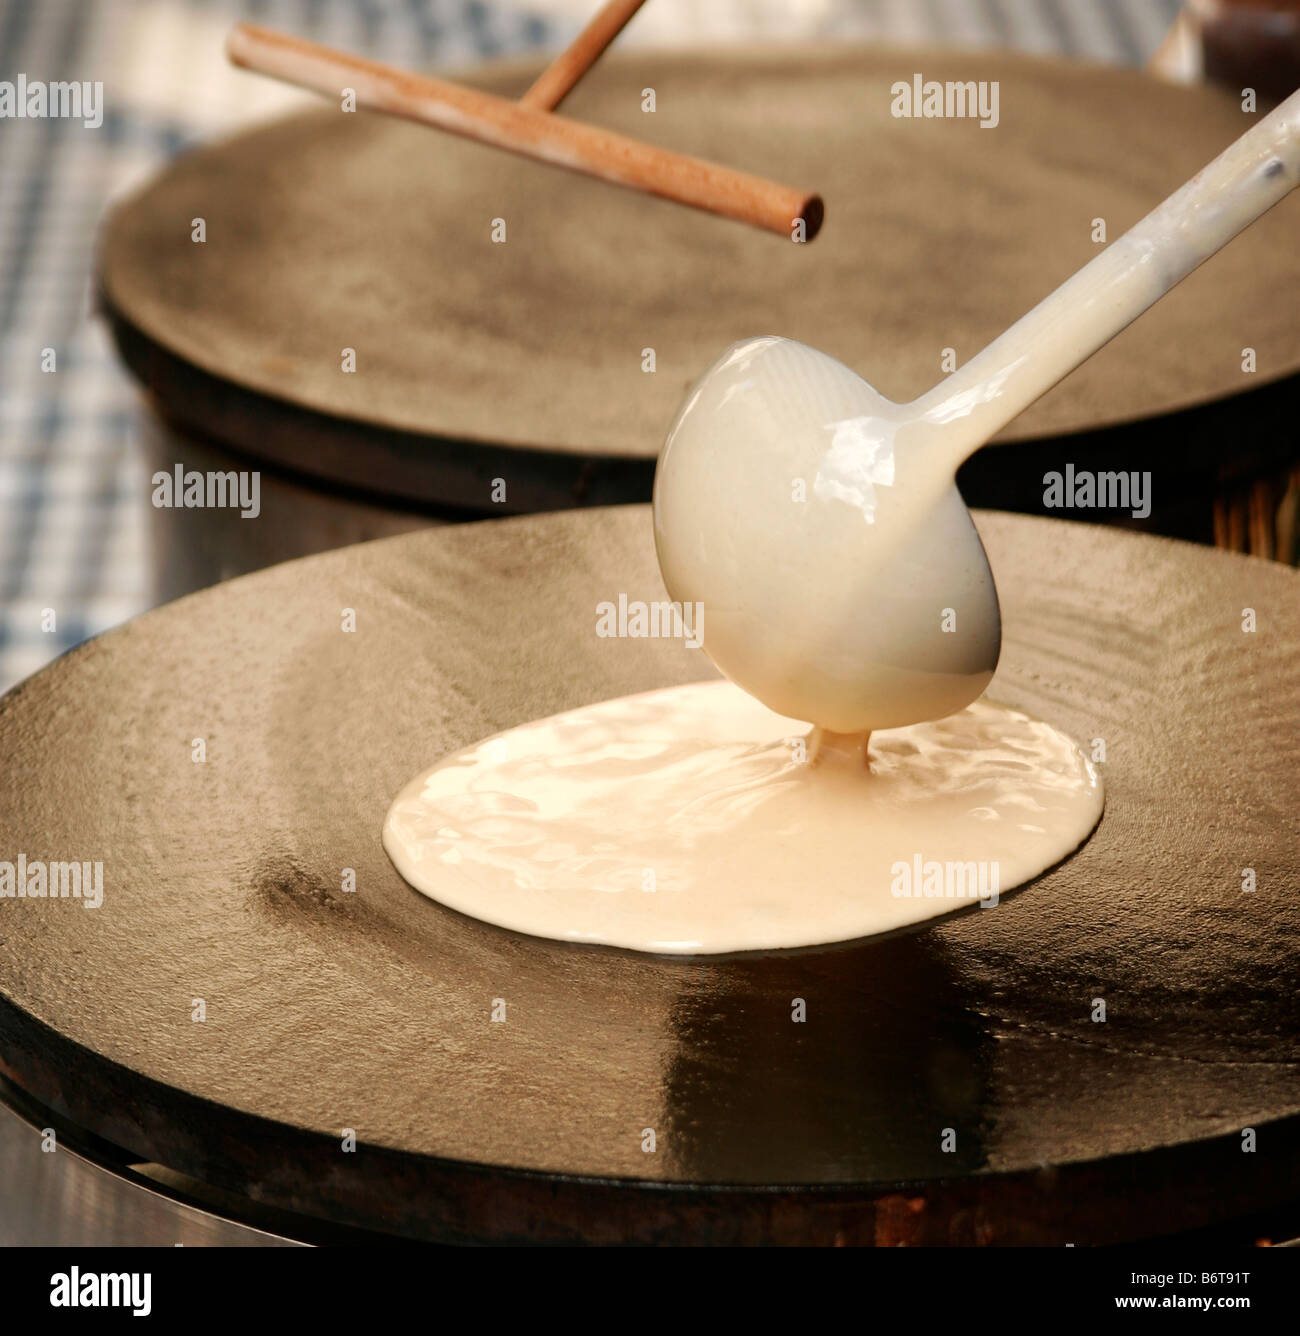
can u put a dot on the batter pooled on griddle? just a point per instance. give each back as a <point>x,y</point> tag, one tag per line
<point>694,820</point>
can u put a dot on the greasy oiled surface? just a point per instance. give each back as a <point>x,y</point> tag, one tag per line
<point>330,230</point>
<point>371,1010</point>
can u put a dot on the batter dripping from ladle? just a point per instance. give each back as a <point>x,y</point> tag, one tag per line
<point>698,820</point>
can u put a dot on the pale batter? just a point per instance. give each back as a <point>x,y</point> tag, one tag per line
<point>683,821</point>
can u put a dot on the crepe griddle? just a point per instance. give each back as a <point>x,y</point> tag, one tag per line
<point>523,360</point>
<point>372,1009</point>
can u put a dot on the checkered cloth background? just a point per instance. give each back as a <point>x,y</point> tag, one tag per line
<point>73,486</point>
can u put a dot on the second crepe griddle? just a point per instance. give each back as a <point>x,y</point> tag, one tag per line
<point>372,1009</point>
<point>524,360</point>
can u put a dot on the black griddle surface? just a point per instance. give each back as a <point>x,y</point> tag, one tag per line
<point>524,359</point>
<point>371,1010</point>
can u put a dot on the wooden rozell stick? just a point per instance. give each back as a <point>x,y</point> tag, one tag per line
<point>556,81</point>
<point>528,131</point>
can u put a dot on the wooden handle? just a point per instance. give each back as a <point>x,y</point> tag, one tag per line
<point>525,130</point>
<point>556,81</point>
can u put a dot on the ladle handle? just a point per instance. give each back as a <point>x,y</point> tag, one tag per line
<point>1111,291</point>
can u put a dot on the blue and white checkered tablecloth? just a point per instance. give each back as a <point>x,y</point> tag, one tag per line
<point>73,485</point>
